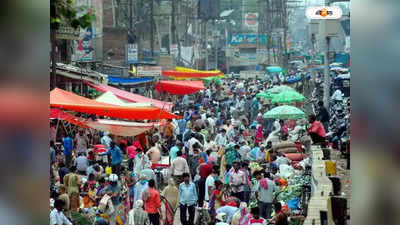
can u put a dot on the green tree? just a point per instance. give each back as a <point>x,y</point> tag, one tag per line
<point>67,12</point>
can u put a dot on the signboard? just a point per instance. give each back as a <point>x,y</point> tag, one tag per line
<point>240,39</point>
<point>249,74</point>
<point>251,21</point>
<point>148,71</point>
<point>67,32</point>
<point>166,62</point>
<point>131,54</point>
<point>174,50</point>
<point>83,47</point>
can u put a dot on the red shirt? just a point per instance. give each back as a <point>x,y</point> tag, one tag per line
<point>205,170</point>
<point>131,150</point>
<point>318,128</point>
<point>153,202</point>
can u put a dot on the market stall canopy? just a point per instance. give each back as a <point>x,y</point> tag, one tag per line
<point>179,87</point>
<point>66,100</point>
<point>279,89</point>
<point>274,69</point>
<point>129,80</point>
<point>285,112</point>
<point>110,98</point>
<point>61,115</point>
<point>288,97</point>
<point>120,128</point>
<point>130,97</point>
<point>190,74</point>
<point>266,95</point>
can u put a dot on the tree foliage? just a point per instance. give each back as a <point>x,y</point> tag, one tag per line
<point>66,11</point>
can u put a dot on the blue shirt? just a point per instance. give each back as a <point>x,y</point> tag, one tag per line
<point>68,146</point>
<point>187,194</point>
<point>172,153</point>
<point>52,155</point>
<point>182,126</point>
<point>116,155</point>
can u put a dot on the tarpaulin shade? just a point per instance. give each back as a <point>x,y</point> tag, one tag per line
<point>130,97</point>
<point>129,80</point>
<point>179,87</point>
<point>110,98</point>
<point>61,115</point>
<point>120,128</point>
<point>187,74</point>
<point>67,100</point>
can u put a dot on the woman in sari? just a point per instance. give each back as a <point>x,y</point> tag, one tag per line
<point>72,183</point>
<point>170,202</point>
<point>259,135</point>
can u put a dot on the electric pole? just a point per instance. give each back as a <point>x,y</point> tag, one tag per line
<point>327,78</point>
<point>151,28</point>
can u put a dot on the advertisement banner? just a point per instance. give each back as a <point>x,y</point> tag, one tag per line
<point>251,21</point>
<point>83,47</point>
<point>241,39</point>
<point>148,71</point>
<point>131,54</point>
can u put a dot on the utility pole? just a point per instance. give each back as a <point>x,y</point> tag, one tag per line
<point>53,45</point>
<point>326,65</point>
<point>206,43</point>
<point>151,28</point>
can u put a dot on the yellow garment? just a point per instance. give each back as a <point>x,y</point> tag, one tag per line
<point>108,170</point>
<point>266,157</point>
<point>330,168</point>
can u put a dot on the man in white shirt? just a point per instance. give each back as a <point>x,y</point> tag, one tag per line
<point>237,180</point>
<point>244,149</point>
<point>210,183</point>
<point>221,139</point>
<point>192,141</point>
<point>178,167</point>
<point>82,163</point>
<point>81,142</point>
<point>106,140</point>
<point>57,216</point>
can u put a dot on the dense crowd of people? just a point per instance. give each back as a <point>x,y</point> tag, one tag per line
<point>210,150</point>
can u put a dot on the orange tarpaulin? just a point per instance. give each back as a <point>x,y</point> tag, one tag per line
<point>67,100</point>
<point>179,87</point>
<point>130,97</point>
<point>61,115</point>
<point>181,74</point>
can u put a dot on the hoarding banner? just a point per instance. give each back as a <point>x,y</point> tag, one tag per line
<point>148,71</point>
<point>83,47</point>
<point>131,54</point>
<point>239,39</point>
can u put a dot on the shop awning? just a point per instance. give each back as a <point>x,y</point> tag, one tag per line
<point>128,80</point>
<point>120,128</point>
<point>66,100</point>
<point>130,97</point>
<point>61,115</point>
<point>110,98</point>
<point>179,87</point>
<point>190,74</point>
